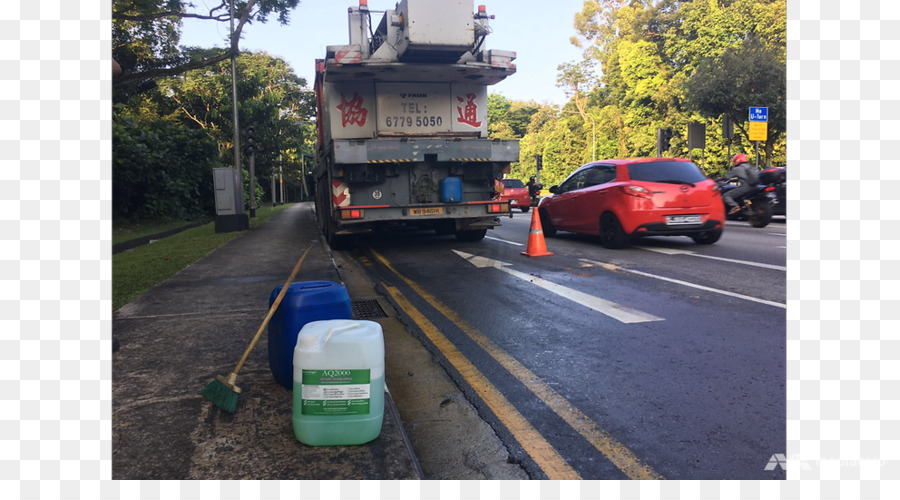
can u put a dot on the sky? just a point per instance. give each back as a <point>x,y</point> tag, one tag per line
<point>539,36</point>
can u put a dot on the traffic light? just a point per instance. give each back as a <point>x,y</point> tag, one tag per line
<point>727,127</point>
<point>539,160</point>
<point>663,138</point>
<point>251,136</point>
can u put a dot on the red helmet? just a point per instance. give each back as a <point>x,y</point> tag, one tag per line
<point>739,158</point>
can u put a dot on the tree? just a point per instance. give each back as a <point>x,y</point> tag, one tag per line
<point>650,51</point>
<point>271,98</point>
<point>508,119</point>
<point>146,35</point>
<point>167,140</point>
<point>577,79</point>
<point>161,169</point>
<point>750,75</point>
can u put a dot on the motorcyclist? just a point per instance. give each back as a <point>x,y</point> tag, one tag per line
<point>531,186</point>
<point>747,177</point>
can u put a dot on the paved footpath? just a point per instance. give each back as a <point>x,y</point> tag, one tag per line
<point>178,336</point>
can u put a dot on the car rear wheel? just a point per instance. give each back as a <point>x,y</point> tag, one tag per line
<point>546,225</point>
<point>524,209</point>
<point>611,233</point>
<point>708,237</point>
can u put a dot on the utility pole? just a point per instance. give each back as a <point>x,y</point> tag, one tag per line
<point>251,147</point>
<point>273,180</point>
<point>228,182</point>
<point>234,96</point>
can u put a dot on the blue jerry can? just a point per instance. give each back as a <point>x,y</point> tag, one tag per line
<point>305,301</point>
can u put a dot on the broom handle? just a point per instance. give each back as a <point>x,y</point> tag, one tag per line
<point>271,313</point>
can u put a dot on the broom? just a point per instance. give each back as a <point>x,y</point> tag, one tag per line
<point>222,391</point>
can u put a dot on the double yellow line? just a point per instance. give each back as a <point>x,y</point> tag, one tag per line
<point>542,452</point>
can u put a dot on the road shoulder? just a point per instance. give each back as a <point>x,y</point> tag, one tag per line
<point>449,438</point>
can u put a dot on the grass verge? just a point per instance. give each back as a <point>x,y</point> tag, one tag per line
<point>136,271</point>
<point>131,230</point>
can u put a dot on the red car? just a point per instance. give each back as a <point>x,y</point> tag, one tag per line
<point>623,199</point>
<point>516,194</point>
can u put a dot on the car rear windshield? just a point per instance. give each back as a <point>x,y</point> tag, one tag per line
<point>665,171</point>
<point>512,183</point>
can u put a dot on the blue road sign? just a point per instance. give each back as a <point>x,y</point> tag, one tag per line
<point>759,114</point>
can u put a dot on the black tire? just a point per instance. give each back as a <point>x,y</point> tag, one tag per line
<point>342,242</point>
<point>524,209</point>
<point>445,228</point>
<point>546,225</point>
<point>761,214</point>
<point>474,235</point>
<point>336,242</point>
<point>611,233</point>
<point>708,237</point>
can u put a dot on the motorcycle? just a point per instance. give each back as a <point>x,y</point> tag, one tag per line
<point>535,193</point>
<point>757,206</point>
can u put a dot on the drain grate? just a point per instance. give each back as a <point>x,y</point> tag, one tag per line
<point>367,309</point>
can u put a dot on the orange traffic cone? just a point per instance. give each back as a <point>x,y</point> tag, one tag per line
<point>536,246</point>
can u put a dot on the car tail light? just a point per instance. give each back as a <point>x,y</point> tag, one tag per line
<point>636,191</point>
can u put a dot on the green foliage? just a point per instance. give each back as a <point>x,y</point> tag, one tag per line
<point>665,64</point>
<point>509,119</point>
<point>272,99</point>
<point>161,169</point>
<point>146,34</point>
<point>166,141</point>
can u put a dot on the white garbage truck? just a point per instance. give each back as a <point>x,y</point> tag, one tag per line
<point>402,123</point>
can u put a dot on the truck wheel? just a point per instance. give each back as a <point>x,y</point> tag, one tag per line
<point>444,228</point>
<point>474,235</point>
<point>336,242</point>
<point>343,242</point>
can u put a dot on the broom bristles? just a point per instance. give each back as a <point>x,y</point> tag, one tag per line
<point>221,396</point>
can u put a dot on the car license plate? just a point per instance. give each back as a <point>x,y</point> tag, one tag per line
<point>426,211</point>
<point>513,202</point>
<point>677,220</point>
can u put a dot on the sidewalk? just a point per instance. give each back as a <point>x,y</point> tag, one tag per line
<point>177,337</point>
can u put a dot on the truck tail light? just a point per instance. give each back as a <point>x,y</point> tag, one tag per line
<point>353,213</point>
<point>498,208</point>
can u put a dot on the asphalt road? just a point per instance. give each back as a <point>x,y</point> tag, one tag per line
<point>662,360</point>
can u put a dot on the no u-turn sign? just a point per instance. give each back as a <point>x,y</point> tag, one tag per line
<point>759,121</point>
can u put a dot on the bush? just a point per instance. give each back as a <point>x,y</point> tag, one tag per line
<point>161,170</point>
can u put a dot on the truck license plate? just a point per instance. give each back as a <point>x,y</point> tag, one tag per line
<point>426,211</point>
<point>676,220</point>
